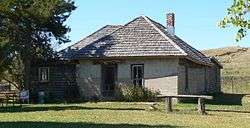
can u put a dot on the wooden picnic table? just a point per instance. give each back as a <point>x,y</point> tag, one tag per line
<point>7,96</point>
<point>201,101</point>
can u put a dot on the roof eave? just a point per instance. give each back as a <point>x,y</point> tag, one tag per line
<point>199,62</point>
<point>128,57</point>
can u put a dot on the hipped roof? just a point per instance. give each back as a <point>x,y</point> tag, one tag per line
<point>141,37</point>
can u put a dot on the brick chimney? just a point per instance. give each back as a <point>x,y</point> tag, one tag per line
<point>170,19</point>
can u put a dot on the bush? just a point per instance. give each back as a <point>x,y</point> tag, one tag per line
<point>130,93</point>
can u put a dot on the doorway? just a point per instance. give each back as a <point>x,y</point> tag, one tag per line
<point>109,77</point>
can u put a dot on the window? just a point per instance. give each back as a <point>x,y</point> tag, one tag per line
<point>44,74</point>
<point>137,72</point>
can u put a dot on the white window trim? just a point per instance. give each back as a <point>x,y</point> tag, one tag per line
<point>39,74</point>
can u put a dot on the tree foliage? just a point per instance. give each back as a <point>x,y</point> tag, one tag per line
<point>238,16</point>
<point>5,60</point>
<point>31,25</point>
<point>28,28</point>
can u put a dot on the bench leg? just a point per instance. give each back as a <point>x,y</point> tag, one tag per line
<point>168,101</point>
<point>201,106</point>
<point>7,102</point>
<point>20,102</point>
<point>13,101</point>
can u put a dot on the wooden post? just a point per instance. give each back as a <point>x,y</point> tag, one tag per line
<point>201,106</point>
<point>168,104</point>
<point>7,100</point>
<point>13,98</point>
<point>232,82</point>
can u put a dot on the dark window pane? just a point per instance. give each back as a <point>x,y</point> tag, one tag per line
<point>134,82</point>
<point>140,82</point>
<point>137,75</point>
<point>139,72</point>
<point>44,74</point>
<point>112,87</point>
<point>134,72</point>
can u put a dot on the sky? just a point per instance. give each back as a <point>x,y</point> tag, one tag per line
<point>196,20</point>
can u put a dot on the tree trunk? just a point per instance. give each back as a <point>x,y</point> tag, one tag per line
<point>27,64</point>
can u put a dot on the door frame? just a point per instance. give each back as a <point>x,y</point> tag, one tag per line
<point>103,66</point>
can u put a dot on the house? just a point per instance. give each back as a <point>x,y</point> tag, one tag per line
<point>141,53</point>
<point>55,78</point>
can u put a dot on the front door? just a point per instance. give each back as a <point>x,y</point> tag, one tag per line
<point>109,73</point>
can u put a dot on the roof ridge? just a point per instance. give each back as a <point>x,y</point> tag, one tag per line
<point>196,52</point>
<point>87,37</point>
<point>122,26</point>
<point>93,34</point>
<point>113,25</point>
<point>190,46</point>
<point>161,33</point>
<point>156,22</point>
<point>178,45</point>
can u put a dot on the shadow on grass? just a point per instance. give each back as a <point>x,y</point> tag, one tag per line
<point>57,108</point>
<point>220,99</point>
<point>227,99</point>
<point>236,111</point>
<point>77,125</point>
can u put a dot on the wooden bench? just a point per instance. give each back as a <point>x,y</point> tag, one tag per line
<point>6,97</point>
<point>201,101</point>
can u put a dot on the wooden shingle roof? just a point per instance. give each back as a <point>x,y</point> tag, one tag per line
<point>141,37</point>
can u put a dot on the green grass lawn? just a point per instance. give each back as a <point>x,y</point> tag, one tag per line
<point>125,115</point>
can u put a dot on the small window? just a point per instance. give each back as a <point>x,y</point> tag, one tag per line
<point>44,74</point>
<point>137,72</point>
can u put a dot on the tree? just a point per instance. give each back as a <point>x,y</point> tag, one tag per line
<point>238,16</point>
<point>9,67</point>
<point>5,61</point>
<point>29,27</point>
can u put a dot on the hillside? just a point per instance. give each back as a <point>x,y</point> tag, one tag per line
<point>235,60</point>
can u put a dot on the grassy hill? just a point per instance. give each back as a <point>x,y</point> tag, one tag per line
<point>235,60</point>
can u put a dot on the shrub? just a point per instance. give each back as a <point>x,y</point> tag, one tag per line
<point>130,93</point>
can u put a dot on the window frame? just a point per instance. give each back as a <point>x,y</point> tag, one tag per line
<point>40,73</point>
<point>132,74</point>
